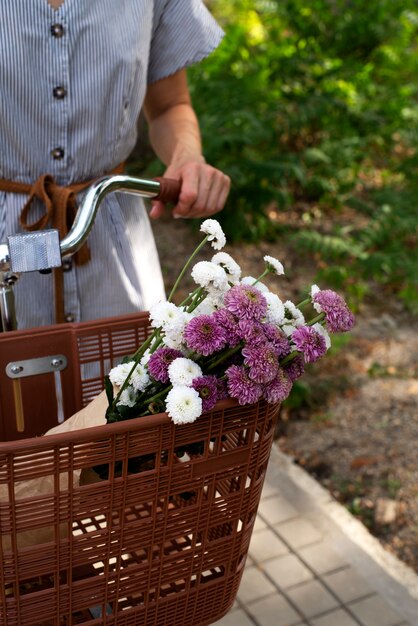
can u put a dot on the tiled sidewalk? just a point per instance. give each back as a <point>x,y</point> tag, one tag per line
<point>304,570</point>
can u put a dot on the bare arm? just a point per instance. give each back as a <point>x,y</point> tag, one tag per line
<point>175,137</point>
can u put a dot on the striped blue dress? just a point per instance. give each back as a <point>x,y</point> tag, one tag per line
<point>73,82</point>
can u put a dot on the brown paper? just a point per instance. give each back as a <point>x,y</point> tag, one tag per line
<point>91,415</point>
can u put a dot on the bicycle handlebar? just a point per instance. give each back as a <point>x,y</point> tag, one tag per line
<point>42,250</point>
<point>163,189</point>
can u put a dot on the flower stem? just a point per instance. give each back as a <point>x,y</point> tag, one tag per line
<point>186,265</point>
<point>136,358</point>
<point>266,271</point>
<point>316,319</point>
<point>225,355</point>
<point>289,358</point>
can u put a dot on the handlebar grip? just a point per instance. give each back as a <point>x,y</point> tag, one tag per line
<point>169,190</point>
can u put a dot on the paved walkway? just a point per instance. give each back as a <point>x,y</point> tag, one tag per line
<point>312,564</point>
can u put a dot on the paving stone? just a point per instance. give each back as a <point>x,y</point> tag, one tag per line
<point>336,618</point>
<point>269,490</point>
<point>322,558</point>
<point>312,598</point>
<point>275,510</point>
<point>254,585</point>
<point>287,570</point>
<point>259,524</point>
<point>266,545</point>
<point>235,618</point>
<point>375,611</point>
<point>274,611</point>
<point>347,584</point>
<point>298,532</point>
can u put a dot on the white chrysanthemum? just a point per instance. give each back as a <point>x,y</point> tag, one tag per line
<point>165,314</point>
<point>293,318</point>
<point>206,307</point>
<point>323,331</point>
<point>183,405</point>
<point>210,275</point>
<point>183,371</point>
<point>275,308</point>
<point>146,357</point>
<point>217,297</point>
<point>274,265</point>
<point>128,396</point>
<point>230,266</point>
<point>314,290</point>
<point>140,378</point>
<point>288,329</point>
<point>215,232</point>
<point>174,339</point>
<point>297,318</point>
<point>119,373</point>
<point>250,280</point>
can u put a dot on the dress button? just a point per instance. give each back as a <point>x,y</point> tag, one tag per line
<point>67,265</point>
<point>69,317</point>
<point>57,30</point>
<point>57,153</point>
<point>59,92</point>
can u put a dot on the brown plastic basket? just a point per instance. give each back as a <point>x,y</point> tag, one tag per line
<point>164,543</point>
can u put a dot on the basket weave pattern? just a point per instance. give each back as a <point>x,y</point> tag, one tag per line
<point>162,544</point>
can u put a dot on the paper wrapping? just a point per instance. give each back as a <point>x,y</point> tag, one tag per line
<point>91,415</point>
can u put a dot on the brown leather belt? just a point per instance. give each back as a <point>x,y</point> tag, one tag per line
<point>60,210</point>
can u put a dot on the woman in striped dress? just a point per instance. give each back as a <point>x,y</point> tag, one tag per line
<point>74,77</point>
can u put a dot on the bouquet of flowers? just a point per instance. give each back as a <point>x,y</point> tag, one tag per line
<point>231,337</point>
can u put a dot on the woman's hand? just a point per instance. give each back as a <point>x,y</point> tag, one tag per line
<point>175,137</point>
<point>204,190</point>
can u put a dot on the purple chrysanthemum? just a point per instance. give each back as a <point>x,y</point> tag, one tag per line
<point>205,335</point>
<point>160,361</point>
<point>261,361</point>
<point>277,339</point>
<point>246,301</point>
<point>339,318</point>
<point>295,368</point>
<point>207,388</point>
<point>310,343</point>
<point>252,332</point>
<point>279,389</point>
<point>241,387</point>
<point>228,322</point>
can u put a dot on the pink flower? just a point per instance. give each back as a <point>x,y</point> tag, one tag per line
<point>207,388</point>
<point>246,301</point>
<point>295,369</point>
<point>160,361</point>
<point>241,387</point>
<point>279,388</point>
<point>228,322</point>
<point>310,343</point>
<point>262,363</point>
<point>205,335</point>
<point>339,318</point>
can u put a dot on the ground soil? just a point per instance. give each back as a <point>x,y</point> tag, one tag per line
<point>356,426</point>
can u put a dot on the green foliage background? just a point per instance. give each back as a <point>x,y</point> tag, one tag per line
<point>311,107</point>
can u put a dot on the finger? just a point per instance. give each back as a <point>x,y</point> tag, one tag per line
<point>226,187</point>
<point>188,193</point>
<point>206,182</point>
<point>157,210</point>
<point>218,194</point>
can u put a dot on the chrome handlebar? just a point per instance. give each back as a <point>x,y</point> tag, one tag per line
<point>42,250</point>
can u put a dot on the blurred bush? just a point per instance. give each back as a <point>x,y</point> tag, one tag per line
<point>311,108</point>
